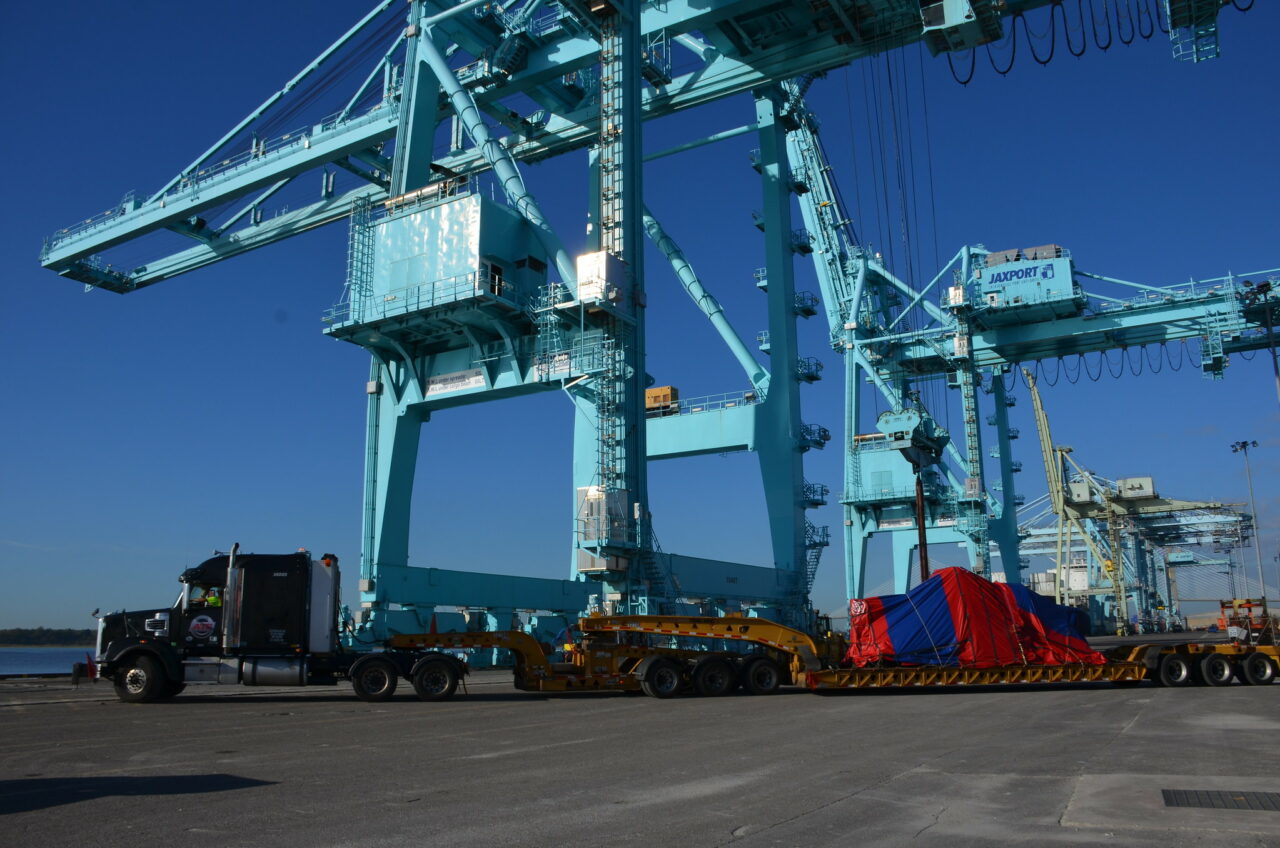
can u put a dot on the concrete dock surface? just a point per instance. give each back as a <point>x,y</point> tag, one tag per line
<point>232,766</point>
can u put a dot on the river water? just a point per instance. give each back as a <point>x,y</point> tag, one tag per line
<point>40,660</point>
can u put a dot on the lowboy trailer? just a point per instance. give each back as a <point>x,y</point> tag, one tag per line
<point>618,653</point>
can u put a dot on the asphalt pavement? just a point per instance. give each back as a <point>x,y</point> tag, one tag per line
<point>231,766</point>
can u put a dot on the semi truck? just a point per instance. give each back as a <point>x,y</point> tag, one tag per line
<point>274,620</point>
<point>255,620</point>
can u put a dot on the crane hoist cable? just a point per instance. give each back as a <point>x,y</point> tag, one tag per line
<point>853,148</point>
<point>875,124</point>
<point>928,148</point>
<point>899,170</point>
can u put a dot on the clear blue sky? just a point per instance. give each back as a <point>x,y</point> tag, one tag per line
<point>140,432</point>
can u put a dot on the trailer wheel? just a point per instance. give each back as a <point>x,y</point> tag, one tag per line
<point>1175,670</point>
<point>142,680</point>
<point>761,676</point>
<point>714,677</point>
<point>435,680</point>
<point>374,680</point>
<point>662,680</point>
<point>1216,670</point>
<point>1257,669</point>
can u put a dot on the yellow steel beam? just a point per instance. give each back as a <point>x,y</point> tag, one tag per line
<point>734,628</point>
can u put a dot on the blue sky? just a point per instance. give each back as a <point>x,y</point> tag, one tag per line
<point>143,431</point>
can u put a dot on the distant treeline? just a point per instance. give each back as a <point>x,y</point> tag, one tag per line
<point>46,636</point>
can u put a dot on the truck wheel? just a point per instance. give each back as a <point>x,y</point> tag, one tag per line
<point>761,676</point>
<point>1257,669</point>
<point>142,680</point>
<point>172,688</point>
<point>662,680</point>
<point>435,680</point>
<point>1175,670</point>
<point>374,680</point>
<point>714,677</point>
<point>1216,670</point>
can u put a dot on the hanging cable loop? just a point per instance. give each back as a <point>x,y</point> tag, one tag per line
<point>1106,358</point>
<point>1133,30</point>
<point>1093,24</point>
<point>1084,363</point>
<point>1135,370</point>
<point>973,66</point>
<point>1150,29</point>
<point>1031,37</point>
<point>1066,28</point>
<point>1013,52</point>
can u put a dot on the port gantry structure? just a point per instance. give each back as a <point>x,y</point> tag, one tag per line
<point>971,325</point>
<point>1111,540</point>
<point>1157,541</point>
<point>460,299</point>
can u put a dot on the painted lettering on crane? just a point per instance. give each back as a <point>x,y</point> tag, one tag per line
<point>455,382</point>
<point>1043,272</point>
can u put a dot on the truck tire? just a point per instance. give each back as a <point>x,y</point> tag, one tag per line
<point>713,677</point>
<point>435,680</point>
<point>662,680</point>
<point>374,680</point>
<point>1216,669</point>
<point>1175,670</point>
<point>761,676</point>
<point>142,680</point>
<point>1257,669</point>
<point>172,688</point>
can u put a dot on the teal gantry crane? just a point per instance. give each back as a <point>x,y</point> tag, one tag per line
<point>461,299</point>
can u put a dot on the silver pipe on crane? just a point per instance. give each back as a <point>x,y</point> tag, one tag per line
<point>710,307</point>
<point>494,153</point>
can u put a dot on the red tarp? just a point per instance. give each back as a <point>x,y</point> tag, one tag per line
<point>956,618</point>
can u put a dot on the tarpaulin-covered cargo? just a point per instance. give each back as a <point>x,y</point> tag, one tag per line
<point>956,618</point>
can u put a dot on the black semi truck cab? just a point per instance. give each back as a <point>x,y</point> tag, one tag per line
<point>251,619</point>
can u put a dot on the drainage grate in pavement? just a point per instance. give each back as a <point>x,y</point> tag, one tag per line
<point>1266,801</point>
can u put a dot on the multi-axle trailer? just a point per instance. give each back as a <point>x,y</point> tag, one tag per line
<point>760,656</point>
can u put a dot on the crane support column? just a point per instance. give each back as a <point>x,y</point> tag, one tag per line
<point>778,419</point>
<point>612,542</point>
<point>1004,528</point>
<point>393,433</point>
<point>972,510</point>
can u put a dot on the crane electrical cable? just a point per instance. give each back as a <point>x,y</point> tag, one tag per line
<point>1140,18</point>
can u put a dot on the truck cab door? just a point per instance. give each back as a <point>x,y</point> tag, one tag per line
<point>200,631</point>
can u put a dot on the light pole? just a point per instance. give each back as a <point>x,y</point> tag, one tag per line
<point>1243,447</point>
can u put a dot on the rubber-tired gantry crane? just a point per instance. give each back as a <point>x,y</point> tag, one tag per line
<point>461,300</point>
